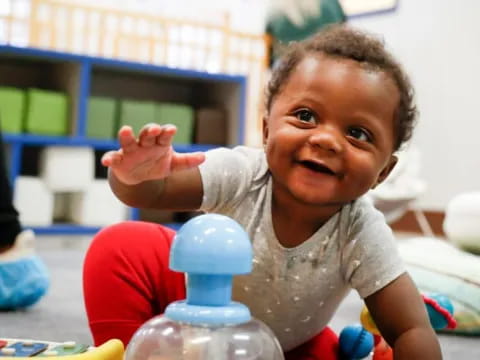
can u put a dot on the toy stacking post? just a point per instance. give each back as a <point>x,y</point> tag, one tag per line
<point>211,249</point>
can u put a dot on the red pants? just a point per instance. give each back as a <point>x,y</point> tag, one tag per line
<point>127,281</point>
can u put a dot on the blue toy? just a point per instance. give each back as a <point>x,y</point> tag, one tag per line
<point>210,249</point>
<point>355,342</point>
<point>440,311</point>
<point>23,349</point>
<point>22,282</point>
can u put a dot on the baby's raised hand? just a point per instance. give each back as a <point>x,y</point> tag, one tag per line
<point>150,157</point>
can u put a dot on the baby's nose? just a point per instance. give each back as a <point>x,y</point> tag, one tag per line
<point>327,138</point>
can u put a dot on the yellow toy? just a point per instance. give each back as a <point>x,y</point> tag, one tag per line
<point>367,322</point>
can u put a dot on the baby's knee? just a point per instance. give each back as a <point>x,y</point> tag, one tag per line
<point>131,239</point>
<point>130,233</point>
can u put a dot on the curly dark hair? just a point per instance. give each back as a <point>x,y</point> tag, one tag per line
<point>343,41</point>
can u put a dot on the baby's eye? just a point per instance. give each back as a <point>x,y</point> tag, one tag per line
<point>305,115</point>
<point>359,134</point>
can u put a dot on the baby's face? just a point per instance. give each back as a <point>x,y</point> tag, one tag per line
<point>329,135</point>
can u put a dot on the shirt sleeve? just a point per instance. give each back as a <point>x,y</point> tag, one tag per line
<point>227,175</point>
<point>371,257</point>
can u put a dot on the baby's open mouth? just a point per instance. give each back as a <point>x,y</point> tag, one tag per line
<point>317,167</point>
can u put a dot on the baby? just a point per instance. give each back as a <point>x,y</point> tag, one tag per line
<point>338,108</point>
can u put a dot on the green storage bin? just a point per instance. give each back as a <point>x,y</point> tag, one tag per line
<point>101,117</point>
<point>47,112</point>
<point>136,114</point>
<point>12,108</point>
<point>180,115</point>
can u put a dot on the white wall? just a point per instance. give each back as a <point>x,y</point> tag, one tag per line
<point>438,41</point>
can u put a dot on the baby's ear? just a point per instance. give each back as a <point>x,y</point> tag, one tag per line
<point>386,170</point>
<point>265,128</point>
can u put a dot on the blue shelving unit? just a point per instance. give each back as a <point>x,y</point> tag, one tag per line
<point>82,76</point>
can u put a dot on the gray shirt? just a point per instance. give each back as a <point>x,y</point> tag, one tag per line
<point>296,291</point>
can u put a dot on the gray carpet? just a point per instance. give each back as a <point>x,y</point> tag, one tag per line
<point>60,316</point>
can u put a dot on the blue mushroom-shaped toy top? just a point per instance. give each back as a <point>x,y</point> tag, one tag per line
<point>210,249</point>
<point>211,244</point>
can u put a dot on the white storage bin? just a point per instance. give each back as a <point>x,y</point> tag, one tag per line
<point>34,201</point>
<point>67,169</point>
<point>97,206</point>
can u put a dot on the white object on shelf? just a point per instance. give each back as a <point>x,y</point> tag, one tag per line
<point>461,224</point>
<point>34,201</point>
<point>97,206</point>
<point>67,169</point>
<point>402,187</point>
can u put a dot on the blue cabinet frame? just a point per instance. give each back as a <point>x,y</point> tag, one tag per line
<point>86,66</point>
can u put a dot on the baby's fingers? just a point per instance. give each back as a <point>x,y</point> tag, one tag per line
<point>127,140</point>
<point>112,158</point>
<point>166,136</point>
<point>148,134</point>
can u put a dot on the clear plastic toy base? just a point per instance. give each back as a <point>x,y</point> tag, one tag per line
<point>164,339</point>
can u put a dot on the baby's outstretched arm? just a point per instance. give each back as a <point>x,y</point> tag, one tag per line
<point>147,172</point>
<point>400,314</point>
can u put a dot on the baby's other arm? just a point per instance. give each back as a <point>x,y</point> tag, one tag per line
<point>400,315</point>
<point>147,172</point>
